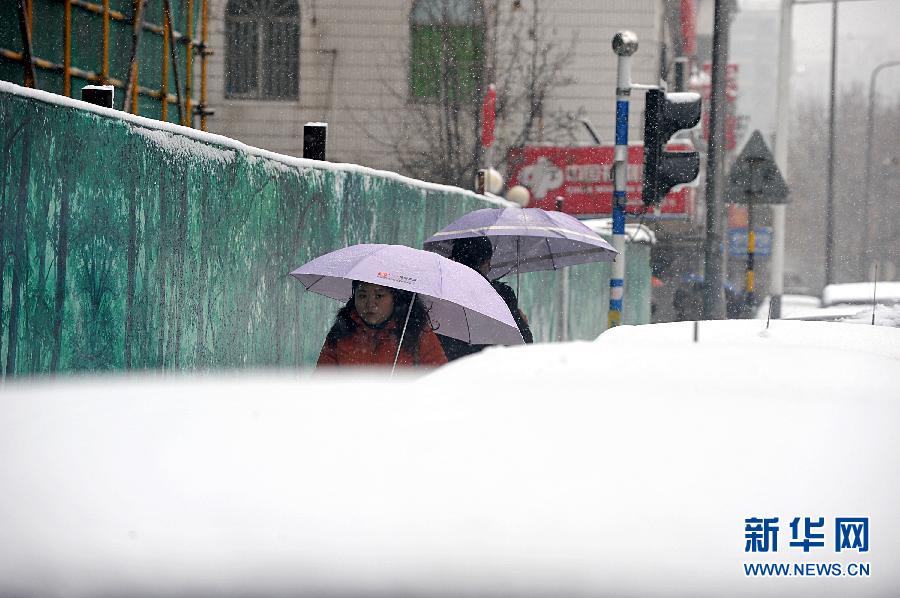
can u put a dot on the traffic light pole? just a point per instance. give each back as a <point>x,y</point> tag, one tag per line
<point>713,282</point>
<point>624,44</point>
<point>664,115</point>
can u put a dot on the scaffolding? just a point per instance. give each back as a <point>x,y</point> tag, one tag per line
<point>146,69</point>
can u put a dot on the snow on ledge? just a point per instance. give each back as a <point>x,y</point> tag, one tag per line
<point>144,123</point>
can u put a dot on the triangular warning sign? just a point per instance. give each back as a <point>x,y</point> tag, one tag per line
<point>755,175</point>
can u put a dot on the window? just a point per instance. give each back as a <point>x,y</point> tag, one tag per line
<point>262,49</point>
<point>446,43</point>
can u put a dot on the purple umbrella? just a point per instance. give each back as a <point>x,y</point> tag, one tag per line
<point>462,304</point>
<point>526,240</point>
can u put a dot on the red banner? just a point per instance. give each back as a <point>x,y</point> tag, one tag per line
<point>488,111</point>
<point>582,176</point>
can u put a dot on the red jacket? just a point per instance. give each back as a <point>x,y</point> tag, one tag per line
<point>378,346</point>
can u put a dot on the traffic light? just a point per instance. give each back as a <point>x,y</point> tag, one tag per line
<point>666,113</point>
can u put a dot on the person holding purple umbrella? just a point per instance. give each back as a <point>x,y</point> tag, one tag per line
<point>476,253</point>
<point>396,298</point>
<point>369,328</point>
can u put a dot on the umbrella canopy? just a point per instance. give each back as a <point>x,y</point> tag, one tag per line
<point>461,303</point>
<point>526,240</point>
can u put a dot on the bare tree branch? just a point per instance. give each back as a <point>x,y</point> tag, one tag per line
<point>438,139</point>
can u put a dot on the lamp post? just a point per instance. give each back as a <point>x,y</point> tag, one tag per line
<point>624,44</point>
<point>870,127</point>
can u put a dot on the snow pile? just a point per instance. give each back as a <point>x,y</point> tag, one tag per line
<point>791,305</point>
<point>885,315</point>
<point>625,466</point>
<point>859,313</point>
<point>743,359</point>
<point>738,334</point>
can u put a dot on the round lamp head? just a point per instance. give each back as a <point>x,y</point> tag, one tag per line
<point>625,43</point>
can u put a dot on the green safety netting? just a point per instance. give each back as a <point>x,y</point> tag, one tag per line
<point>129,246</point>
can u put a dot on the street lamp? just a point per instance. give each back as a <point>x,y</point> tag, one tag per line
<point>870,124</point>
<point>625,43</point>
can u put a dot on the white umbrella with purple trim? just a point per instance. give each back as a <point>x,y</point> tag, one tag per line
<point>526,240</point>
<point>461,303</point>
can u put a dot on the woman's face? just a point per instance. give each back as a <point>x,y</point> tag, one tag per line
<point>374,303</point>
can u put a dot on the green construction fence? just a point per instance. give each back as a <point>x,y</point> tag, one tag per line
<point>129,243</point>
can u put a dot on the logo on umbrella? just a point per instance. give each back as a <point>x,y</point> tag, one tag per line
<point>397,277</point>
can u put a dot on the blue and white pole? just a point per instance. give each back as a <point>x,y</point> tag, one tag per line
<point>624,44</point>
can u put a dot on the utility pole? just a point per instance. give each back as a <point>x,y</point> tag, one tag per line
<point>829,189</point>
<point>782,109</point>
<point>713,283</point>
<point>624,44</point>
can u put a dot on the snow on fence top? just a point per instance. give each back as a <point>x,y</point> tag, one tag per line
<point>179,145</point>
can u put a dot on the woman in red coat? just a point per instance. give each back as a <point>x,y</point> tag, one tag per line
<point>367,331</point>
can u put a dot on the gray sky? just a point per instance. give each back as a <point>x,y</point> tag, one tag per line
<point>868,34</point>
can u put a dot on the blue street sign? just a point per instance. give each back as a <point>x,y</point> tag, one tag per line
<point>737,241</point>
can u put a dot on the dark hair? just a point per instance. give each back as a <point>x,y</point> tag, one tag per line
<point>344,325</point>
<point>472,251</point>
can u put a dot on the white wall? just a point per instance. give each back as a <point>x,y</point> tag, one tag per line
<point>594,65</point>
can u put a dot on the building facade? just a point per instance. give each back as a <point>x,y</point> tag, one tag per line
<point>363,65</point>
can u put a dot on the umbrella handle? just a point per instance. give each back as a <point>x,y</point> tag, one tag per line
<point>403,333</point>
<point>517,268</point>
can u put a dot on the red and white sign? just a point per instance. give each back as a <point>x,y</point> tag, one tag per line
<point>582,176</point>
